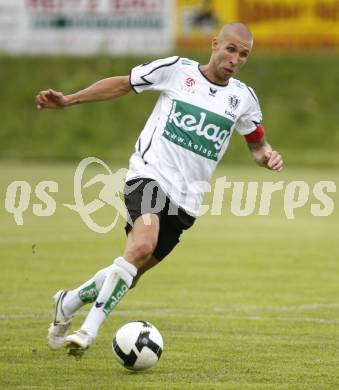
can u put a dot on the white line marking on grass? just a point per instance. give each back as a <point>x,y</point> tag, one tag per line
<point>20,315</point>
<point>183,312</point>
<point>303,307</point>
<point>221,309</point>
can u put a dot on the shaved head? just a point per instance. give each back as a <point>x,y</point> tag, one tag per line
<point>237,28</point>
<point>230,51</point>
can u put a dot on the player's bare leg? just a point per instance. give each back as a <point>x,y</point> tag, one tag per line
<point>138,242</point>
<point>137,255</point>
<point>150,264</point>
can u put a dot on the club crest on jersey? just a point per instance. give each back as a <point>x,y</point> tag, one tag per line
<point>233,102</point>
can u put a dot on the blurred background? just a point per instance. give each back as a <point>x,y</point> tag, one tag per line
<point>68,44</point>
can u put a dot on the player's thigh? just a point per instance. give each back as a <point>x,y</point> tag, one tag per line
<point>142,239</point>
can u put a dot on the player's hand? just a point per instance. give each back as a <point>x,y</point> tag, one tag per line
<point>274,160</point>
<point>50,99</point>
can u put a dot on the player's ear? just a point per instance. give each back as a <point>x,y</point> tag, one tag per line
<point>214,43</point>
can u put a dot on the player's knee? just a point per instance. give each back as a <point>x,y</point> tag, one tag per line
<point>144,249</point>
<point>139,252</point>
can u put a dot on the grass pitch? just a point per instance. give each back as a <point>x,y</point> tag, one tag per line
<point>242,303</point>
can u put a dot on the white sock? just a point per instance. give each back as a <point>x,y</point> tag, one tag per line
<point>115,286</point>
<point>86,293</point>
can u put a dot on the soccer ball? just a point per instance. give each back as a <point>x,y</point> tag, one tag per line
<point>137,345</point>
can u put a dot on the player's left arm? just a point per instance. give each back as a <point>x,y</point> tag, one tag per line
<point>262,152</point>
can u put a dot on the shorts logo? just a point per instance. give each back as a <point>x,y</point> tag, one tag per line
<point>190,82</point>
<point>200,131</point>
<point>233,101</point>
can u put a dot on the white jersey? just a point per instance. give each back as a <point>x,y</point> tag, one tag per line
<point>190,127</point>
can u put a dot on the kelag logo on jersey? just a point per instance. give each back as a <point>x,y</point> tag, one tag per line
<point>200,131</point>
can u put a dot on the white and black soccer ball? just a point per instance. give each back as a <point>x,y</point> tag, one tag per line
<point>137,345</point>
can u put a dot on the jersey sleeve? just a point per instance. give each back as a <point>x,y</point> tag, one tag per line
<point>252,117</point>
<point>153,76</point>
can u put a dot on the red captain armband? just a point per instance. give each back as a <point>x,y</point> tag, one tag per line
<point>256,135</point>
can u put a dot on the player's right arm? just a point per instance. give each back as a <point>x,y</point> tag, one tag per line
<point>105,89</point>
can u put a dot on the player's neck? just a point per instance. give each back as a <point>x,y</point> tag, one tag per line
<point>210,76</point>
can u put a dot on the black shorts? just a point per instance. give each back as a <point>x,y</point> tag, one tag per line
<point>144,196</point>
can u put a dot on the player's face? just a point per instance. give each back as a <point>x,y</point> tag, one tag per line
<point>229,54</point>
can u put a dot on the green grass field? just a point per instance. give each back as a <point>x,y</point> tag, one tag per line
<point>242,303</point>
<point>300,110</point>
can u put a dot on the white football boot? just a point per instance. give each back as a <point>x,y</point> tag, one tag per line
<point>58,329</point>
<point>78,342</point>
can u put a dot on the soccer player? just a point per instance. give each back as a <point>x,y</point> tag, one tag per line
<point>176,153</point>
